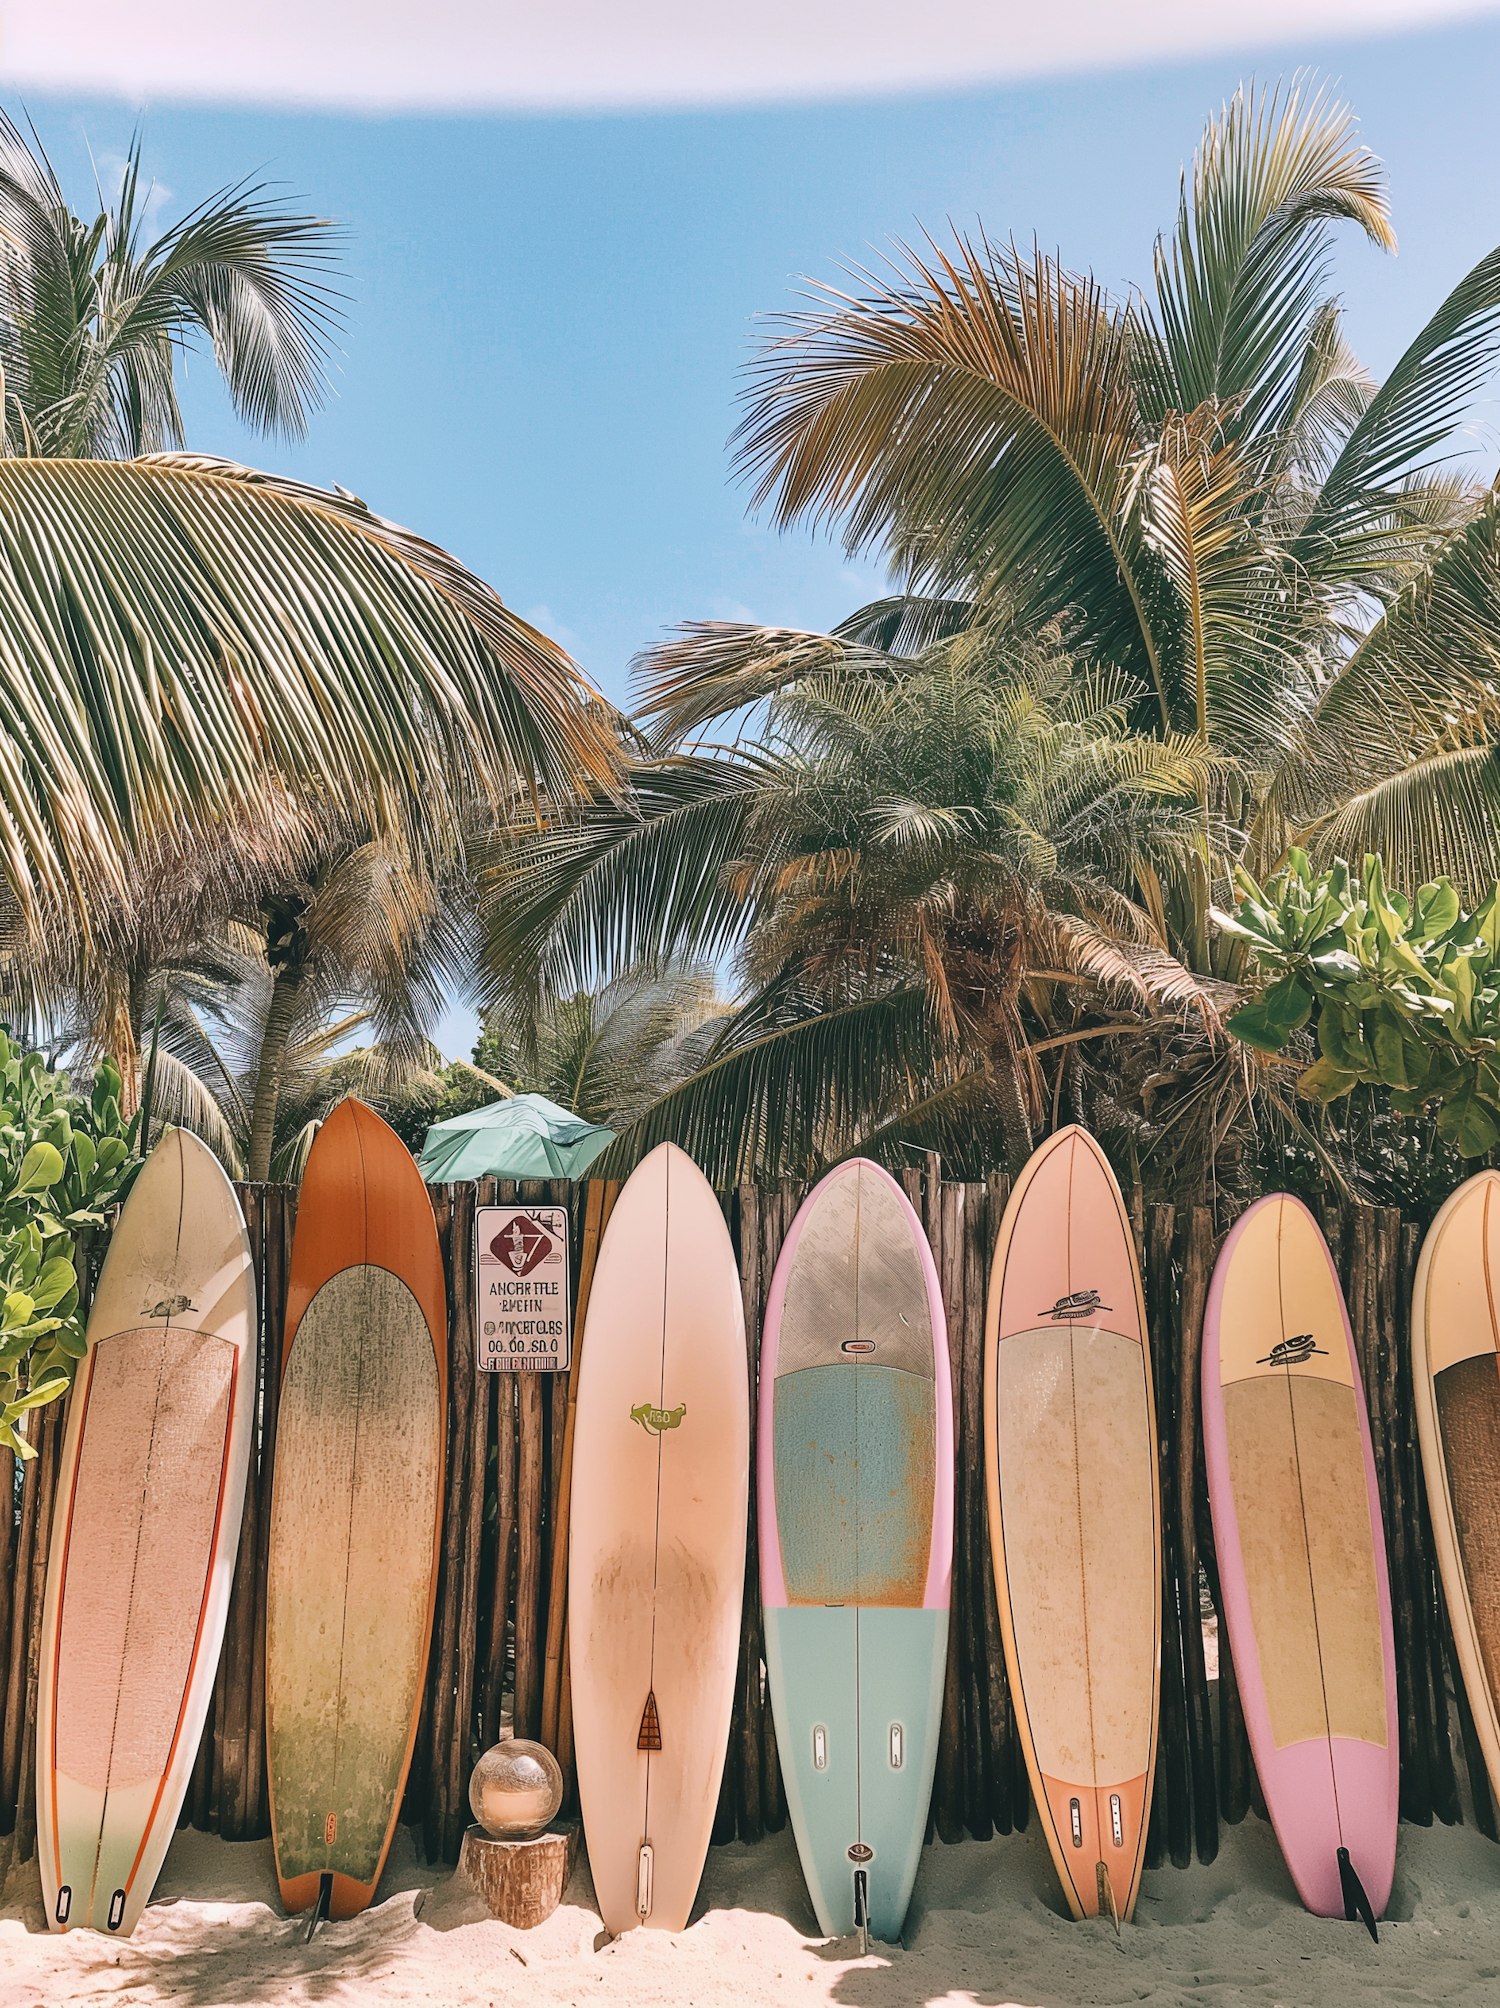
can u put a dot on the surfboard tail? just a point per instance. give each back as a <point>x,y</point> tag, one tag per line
<point>1356,1903</point>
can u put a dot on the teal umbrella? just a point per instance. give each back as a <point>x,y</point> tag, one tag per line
<point>525,1137</point>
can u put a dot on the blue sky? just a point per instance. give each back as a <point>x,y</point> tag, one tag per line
<point>548,316</point>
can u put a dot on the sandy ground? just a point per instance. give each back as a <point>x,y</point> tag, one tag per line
<point>985,1928</point>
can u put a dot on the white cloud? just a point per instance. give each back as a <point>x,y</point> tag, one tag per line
<point>368,54</point>
<point>151,202</point>
<point>546,622</point>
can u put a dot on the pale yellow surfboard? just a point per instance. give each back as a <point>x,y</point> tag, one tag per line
<point>656,1562</point>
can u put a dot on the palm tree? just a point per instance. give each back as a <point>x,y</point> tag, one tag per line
<point>914,860</point>
<point>609,1052</point>
<point>94,316</point>
<point>209,675</point>
<point>197,657</point>
<point>1201,484</point>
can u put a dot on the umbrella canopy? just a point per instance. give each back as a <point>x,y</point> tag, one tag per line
<point>525,1137</point>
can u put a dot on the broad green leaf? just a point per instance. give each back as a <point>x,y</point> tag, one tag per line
<point>1439,907</point>
<point>1341,1041</point>
<point>1269,1021</point>
<point>1468,1124</point>
<point>41,1167</point>
<point>56,1278</point>
<point>1324,1082</point>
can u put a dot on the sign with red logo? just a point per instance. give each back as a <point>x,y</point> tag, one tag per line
<point>521,1256</point>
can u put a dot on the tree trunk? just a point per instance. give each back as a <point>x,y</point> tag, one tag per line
<point>1015,1124</point>
<point>121,1047</point>
<point>285,998</point>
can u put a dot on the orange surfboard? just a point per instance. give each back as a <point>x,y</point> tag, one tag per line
<point>356,1510</point>
<point>1075,1523</point>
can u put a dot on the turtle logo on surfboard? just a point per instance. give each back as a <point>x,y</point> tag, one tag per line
<point>655,1420</point>
<point>1293,1352</point>
<point>1078,1304</point>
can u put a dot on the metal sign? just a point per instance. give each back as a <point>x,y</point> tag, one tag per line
<point>524,1320</point>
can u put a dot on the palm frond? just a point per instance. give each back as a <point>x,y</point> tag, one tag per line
<point>178,636</point>
<point>1241,283</point>
<point>1437,816</point>
<point>788,1090</point>
<point>639,878</point>
<point>1412,414</point>
<point>975,415</point>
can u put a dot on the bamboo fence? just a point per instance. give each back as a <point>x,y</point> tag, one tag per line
<point>499,1632</point>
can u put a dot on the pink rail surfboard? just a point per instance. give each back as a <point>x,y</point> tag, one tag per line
<point>145,1532</point>
<point>1301,1551</point>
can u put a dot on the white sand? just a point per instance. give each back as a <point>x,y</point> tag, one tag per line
<point>984,1929</point>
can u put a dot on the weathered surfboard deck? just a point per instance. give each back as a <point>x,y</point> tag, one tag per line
<point>1075,1521</point>
<point>1301,1552</point>
<point>855,1471</point>
<point>356,1509</point>
<point>1455,1346</point>
<point>150,1491</point>
<point>656,1561</point>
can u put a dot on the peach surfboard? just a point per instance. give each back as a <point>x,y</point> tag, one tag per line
<point>1301,1554</point>
<point>1455,1346</point>
<point>356,1511</point>
<point>656,1559</point>
<point>1075,1523</point>
<point>150,1490</point>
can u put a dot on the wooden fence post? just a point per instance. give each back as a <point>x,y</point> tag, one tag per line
<point>1192,1490</point>
<point>1170,1831</point>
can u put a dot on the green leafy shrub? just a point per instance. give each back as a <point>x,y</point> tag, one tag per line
<point>1398,992</point>
<point>63,1162</point>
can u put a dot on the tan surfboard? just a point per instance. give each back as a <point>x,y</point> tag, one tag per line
<point>356,1511</point>
<point>1075,1525</point>
<point>1455,1346</point>
<point>656,1559</point>
<point>150,1489</point>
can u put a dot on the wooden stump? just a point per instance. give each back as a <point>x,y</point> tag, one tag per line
<point>522,1882</point>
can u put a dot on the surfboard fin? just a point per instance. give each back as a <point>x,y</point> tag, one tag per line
<point>1107,1894</point>
<point>321,1907</point>
<point>862,1909</point>
<point>1356,1903</point>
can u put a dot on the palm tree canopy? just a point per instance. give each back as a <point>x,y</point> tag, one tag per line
<point>94,316</point>
<point>899,854</point>
<point>1201,484</point>
<point>181,638</point>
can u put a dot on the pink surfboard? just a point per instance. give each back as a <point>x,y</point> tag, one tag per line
<point>1301,1551</point>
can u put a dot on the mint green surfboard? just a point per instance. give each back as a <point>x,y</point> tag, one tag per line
<point>855,1477</point>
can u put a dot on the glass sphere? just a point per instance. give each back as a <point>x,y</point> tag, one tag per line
<point>515,1789</point>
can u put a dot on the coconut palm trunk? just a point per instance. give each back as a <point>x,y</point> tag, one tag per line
<point>281,1017</point>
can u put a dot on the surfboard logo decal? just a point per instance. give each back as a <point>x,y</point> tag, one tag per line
<point>171,1307</point>
<point>1293,1352</point>
<point>1079,1304</point>
<point>330,1830</point>
<point>650,1733</point>
<point>655,1420</point>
